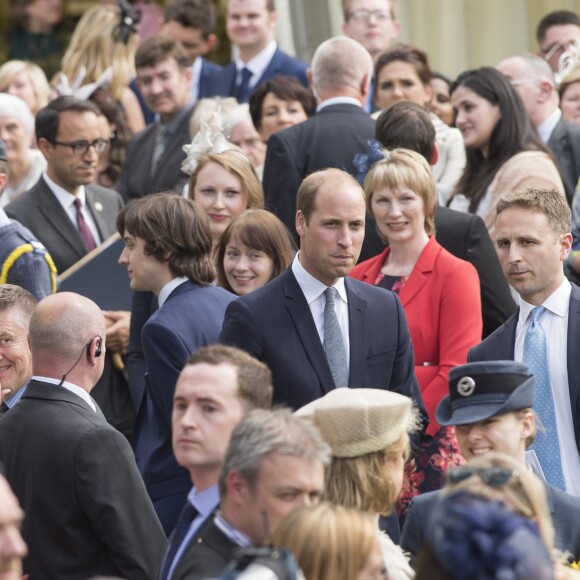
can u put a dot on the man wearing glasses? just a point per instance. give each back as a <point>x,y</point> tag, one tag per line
<point>490,405</point>
<point>555,34</point>
<point>373,24</point>
<point>67,214</point>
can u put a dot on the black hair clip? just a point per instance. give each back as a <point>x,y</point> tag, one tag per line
<point>130,17</point>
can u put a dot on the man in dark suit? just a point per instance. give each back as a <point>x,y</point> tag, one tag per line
<point>533,240</point>
<point>63,210</point>
<point>533,79</point>
<point>16,308</point>
<point>313,326</point>
<point>192,22</point>
<point>231,383</point>
<point>274,464</point>
<point>87,510</point>
<point>251,27</point>
<point>409,125</point>
<point>340,76</point>
<point>490,406</point>
<point>168,251</point>
<point>155,155</point>
<point>70,217</point>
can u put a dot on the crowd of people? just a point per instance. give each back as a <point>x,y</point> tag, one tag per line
<point>351,349</point>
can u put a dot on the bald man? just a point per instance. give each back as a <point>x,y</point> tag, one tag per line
<point>88,512</point>
<point>340,78</point>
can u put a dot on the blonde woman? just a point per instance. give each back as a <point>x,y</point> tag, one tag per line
<point>25,80</point>
<point>95,46</point>
<point>331,542</point>
<point>368,432</point>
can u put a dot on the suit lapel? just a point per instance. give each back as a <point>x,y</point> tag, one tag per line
<point>306,329</point>
<point>271,69</point>
<point>98,212</point>
<point>506,339</point>
<point>357,308</point>
<point>54,213</point>
<point>421,272</point>
<point>572,348</point>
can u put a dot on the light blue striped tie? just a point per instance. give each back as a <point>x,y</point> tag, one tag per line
<point>333,342</point>
<point>546,444</point>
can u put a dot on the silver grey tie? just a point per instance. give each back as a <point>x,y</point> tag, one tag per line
<point>333,343</point>
<point>158,147</point>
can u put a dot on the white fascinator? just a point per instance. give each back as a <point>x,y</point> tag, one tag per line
<point>63,87</point>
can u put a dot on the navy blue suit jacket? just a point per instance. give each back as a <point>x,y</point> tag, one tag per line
<point>500,346</point>
<point>223,84</point>
<point>190,318</point>
<point>275,325</point>
<point>564,143</point>
<point>209,71</point>
<point>564,508</point>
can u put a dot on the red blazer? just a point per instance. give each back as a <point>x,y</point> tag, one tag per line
<point>442,303</point>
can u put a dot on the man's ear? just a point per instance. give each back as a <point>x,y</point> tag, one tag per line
<point>300,222</point>
<point>309,77</point>
<point>236,486</point>
<point>45,148</point>
<point>3,181</point>
<point>546,91</point>
<point>435,154</point>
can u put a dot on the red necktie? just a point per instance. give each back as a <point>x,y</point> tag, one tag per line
<point>83,228</point>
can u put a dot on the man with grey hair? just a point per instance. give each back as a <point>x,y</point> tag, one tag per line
<point>340,78</point>
<point>16,308</point>
<point>274,464</point>
<point>532,77</point>
<point>72,472</point>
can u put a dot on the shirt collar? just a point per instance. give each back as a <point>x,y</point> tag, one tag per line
<point>196,75</point>
<point>338,101</point>
<point>169,288</point>
<point>65,198</point>
<point>15,398</point>
<point>557,303</point>
<point>69,387</point>
<point>204,501</point>
<point>236,536</point>
<point>546,128</point>
<point>313,288</point>
<point>260,62</point>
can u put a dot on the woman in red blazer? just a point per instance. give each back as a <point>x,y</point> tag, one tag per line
<point>439,293</point>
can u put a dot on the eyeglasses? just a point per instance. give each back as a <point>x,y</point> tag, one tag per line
<point>516,82</point>
<point>494,476</point>
<point>364,15</point>
<point>82,147</point>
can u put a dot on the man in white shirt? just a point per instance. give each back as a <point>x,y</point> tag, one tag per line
<point>71,471</point>
<point>168,251</point>
<point>533,79</point>
<point>533,240</point>
<point>251,28</point>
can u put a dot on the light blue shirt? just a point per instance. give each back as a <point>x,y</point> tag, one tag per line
<point>15,398</point>
<point>204,502</point>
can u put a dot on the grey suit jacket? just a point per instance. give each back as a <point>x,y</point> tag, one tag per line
<point>564,508</point>
<point>87,510</point>
<point>565,145</point>
<point>135,180</point>
<point>40,211</point>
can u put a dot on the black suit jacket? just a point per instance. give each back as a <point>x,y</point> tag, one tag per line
<point>501,344</point>
<point>87,510</point>
<point>207,555</point>
<point>135,181</point>
<point>275,325</point>
<point>565,145</point>
<point>331,138</point>
<point>564,508</point>
<point>223,84</point>
<point>40,211</point>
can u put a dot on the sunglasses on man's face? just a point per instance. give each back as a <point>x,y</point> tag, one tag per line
<point>493,476</point>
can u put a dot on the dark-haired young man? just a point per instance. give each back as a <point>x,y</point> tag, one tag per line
<point>554,34</point>
<point>192,22</point>
<point>154,155</point>
<point>168,251</point>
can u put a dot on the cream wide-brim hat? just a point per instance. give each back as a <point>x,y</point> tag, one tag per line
<point>355,422</point>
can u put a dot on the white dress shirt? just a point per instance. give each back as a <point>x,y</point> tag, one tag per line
<point>313,291</point>
<point>257,65</point>
<point>338,101</point>
<point>546,128</point>
<point>555,325</point>
<point>195,76</point>
<point>67,200</point>
<point>69,387</point>
<point>169,288</point>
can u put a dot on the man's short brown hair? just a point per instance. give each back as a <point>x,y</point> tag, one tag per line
<point>175,230</point>
<point>549,202</point>
<point>306,196</point>
<point>19,299</point>
<point>199,14</point>
<point>158,48</point>
<point>255,388</point>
